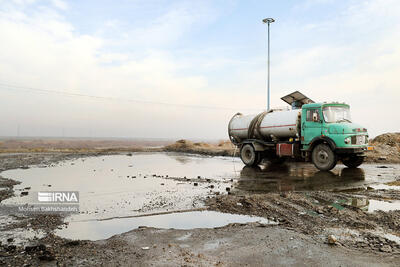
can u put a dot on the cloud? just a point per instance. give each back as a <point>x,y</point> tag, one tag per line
<point>42,49</point>
<point>60,4</point>
<point>359,69</point>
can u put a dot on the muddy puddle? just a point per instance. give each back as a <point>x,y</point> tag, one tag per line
<point>140,183</point>
<point>146,183</point>
<point>18,236</point>
<point>305,177</point>
<point>102,229</point>
<point>121,185</point>
<point>368,205</point>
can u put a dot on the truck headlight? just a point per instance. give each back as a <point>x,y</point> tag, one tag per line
<point>347,140</point>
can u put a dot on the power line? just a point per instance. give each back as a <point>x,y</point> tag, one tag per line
<point>8,86</point>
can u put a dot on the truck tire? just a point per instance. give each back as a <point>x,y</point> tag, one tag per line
<point>353,162</point>
<point>323,157</point>
<point>249,156</point>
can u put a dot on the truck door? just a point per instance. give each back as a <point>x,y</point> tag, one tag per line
<point>311,125</point>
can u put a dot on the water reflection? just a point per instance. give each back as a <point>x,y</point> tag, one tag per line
<point>297,177</point>
<point>182,159</point>
<point>369,205</point>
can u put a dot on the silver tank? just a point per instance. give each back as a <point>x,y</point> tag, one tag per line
<point>281,124</point>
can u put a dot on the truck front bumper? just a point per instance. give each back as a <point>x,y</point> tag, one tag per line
<point>352,150</point>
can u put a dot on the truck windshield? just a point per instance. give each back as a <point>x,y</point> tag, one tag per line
<point>336,114</point>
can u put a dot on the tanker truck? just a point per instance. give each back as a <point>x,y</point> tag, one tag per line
<point>322,133</point>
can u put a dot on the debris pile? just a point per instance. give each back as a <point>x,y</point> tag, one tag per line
<point>386,148</point>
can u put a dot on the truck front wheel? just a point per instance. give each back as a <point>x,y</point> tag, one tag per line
<point>323,157</point>
<point>353,162</point>
<point>249,156</point>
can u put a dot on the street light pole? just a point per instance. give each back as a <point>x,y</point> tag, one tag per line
<point>268,21</point>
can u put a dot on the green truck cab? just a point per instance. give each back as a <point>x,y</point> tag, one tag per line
<point>328,135</point>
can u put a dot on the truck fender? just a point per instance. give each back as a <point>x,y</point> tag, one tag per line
<point>257,146</point>
<point>322,139</point>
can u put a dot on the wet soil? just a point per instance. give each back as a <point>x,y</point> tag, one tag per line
<point>308,207</point>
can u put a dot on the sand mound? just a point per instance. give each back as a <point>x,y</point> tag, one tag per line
<point>391,139</point>
<point>386,148</point>
<point>223,148</point>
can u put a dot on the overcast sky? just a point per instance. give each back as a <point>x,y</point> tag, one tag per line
<point>206,58</point>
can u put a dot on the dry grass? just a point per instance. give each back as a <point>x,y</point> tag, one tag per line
<point>77,145</point>
<point>396,183</point>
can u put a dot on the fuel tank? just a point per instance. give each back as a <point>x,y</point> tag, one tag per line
<point>280,124</point>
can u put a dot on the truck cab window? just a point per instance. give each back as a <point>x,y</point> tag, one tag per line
<point>310,114</point>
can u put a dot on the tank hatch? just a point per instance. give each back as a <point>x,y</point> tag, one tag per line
<point>296,99</point>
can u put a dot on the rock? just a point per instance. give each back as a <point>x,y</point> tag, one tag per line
<point>212,186</point>
<point>11,248</point>
<point>72,243</point>
<point>25,193</point>
<point>47,256</point>
<point>228,189</point>
<point>195,184</point>
<point>145,248</point>
<point>386,248</point>
<point>37,248</point>
<point>382,167</point>
<point>9,240</point>
<point>332,239</point>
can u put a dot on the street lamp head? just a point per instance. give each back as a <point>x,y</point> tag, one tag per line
<point>268,20</point>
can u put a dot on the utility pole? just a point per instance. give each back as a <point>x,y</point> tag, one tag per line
<point>268,21</point>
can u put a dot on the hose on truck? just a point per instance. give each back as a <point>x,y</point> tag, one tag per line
<point>254,128</point>
<point>253,132</point>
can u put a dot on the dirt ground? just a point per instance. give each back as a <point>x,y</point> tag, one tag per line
<point>310,228</point>
<point>386,146</point>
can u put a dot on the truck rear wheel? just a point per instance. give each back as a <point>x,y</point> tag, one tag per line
<point>323,157</point>
<point>353,162</point>
<point>249,156</point>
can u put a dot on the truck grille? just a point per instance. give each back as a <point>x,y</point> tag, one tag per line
<point>358,140</point>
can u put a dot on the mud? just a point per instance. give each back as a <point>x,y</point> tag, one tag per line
<point>306,207</point>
